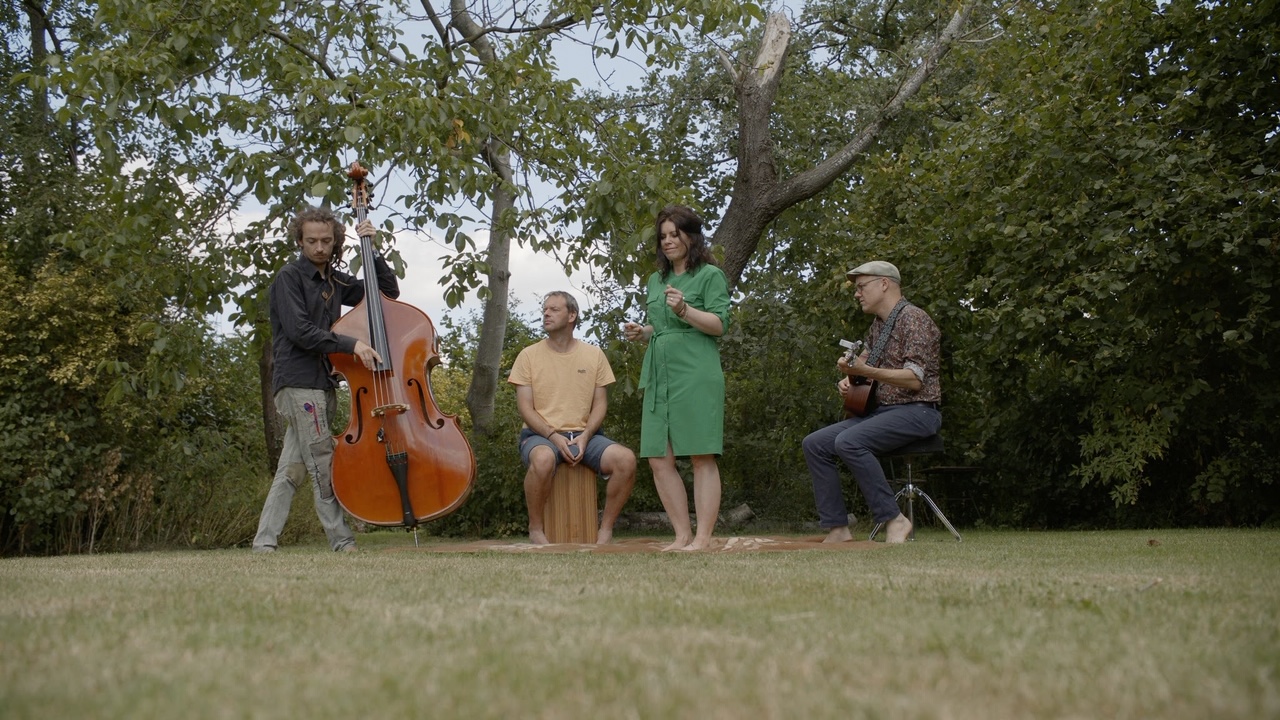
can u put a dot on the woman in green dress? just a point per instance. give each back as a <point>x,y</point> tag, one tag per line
<point>688,310</point>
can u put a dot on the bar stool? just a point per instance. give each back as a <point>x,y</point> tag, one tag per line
<point>907,453</point>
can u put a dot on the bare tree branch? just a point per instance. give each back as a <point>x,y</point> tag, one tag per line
<point>318,60</point>
<point>440,28</point>
<point>759,197</point>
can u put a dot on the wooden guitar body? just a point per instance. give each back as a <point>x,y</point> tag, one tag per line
<point>861,398</point>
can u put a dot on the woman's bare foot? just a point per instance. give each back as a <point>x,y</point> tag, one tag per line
<point>538,537</point>
<point>679,544</point>
<point>604,537</point>
<point>697,544</point>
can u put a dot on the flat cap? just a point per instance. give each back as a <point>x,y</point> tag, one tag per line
<point>878,268</point>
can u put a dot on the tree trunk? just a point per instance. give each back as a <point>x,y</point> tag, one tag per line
<point>272,425</point>
<point>759,197</point>
<point>36,15</point>
<point>493,328</point>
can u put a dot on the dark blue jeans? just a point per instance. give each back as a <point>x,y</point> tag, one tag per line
<point>858,441</point>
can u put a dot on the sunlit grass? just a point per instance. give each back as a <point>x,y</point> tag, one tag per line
<point>1173,624</point>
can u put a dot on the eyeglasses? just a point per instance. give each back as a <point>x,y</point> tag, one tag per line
<point>863,285</point>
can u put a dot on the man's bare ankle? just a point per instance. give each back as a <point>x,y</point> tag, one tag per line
<point>898,530</point>
<point>838,534</point>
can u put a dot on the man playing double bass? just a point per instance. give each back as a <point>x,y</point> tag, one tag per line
<point>306,298</point>
<point>902,361</point>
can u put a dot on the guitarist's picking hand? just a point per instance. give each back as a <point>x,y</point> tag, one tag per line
<point>843,386</point>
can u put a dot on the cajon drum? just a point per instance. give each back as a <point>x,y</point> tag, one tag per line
<point>570,515</point>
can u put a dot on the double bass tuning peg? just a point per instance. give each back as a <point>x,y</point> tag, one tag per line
<point>361,193</point>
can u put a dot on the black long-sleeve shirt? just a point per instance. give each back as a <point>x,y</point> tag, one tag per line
<point>304,306</point>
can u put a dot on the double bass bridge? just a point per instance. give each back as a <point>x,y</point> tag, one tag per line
<point>389,409</point>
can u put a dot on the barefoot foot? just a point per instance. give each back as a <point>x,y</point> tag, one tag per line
<point>679,544</point>
<point>897,530</point>
<point>538,537</point>
<point>838,535</point>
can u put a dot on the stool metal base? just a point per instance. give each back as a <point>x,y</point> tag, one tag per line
<point>910,492</point>
<point>923,446</point>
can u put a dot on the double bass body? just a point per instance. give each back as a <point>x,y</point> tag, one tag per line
<point>401,460</point>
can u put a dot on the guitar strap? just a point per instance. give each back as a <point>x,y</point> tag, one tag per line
<point>882,341</point>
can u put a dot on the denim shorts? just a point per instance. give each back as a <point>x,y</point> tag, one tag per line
<point>591,458</point>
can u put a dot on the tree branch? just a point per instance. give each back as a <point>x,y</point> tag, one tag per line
<point>758,196</point>
<point>810,182</point>
<point>316,59</point>
<point>439,26</point>
<point>547,26</point>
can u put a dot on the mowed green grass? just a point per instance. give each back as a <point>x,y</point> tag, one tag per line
<point>1153,624</point>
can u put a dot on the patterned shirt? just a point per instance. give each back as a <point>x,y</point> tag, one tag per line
<point>914,345</point>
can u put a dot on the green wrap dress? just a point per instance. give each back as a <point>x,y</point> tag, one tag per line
<point>681,377</point>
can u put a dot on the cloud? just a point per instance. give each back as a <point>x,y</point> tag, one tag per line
<point>533,275</point>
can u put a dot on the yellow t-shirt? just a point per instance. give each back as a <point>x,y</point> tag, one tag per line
<point>564,384</point>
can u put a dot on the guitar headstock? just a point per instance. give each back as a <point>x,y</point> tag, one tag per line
<point>852,349</point>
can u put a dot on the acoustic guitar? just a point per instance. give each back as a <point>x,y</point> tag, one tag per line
<point>861,398</point>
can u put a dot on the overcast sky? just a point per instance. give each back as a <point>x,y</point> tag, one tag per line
<point>533,275</point>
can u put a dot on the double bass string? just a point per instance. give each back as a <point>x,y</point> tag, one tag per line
<point>386,395</point>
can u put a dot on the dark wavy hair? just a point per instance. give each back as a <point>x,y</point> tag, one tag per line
<point>687,222</point>
<point>323,215</point>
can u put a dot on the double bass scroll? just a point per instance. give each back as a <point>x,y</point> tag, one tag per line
<point>401,461</point>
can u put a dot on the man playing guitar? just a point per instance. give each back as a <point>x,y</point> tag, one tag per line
<point>902,367</point>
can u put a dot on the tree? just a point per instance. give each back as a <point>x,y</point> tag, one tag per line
<point>887,52</point>
<point>108,302</point>
<point>759,194</point>
<point>1043,224</point>
<point>273,98</point>
<point>1109,234</point>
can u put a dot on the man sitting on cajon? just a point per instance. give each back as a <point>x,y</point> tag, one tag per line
<point>561,393</point>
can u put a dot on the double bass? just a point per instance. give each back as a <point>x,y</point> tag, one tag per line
<point>401,461</point>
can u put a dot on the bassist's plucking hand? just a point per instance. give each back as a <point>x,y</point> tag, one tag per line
<point>367,355</point>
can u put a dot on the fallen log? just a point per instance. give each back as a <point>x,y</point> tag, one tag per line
<point>734,517</point>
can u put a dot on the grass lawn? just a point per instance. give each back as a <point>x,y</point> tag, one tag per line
<point>1152,624</point>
